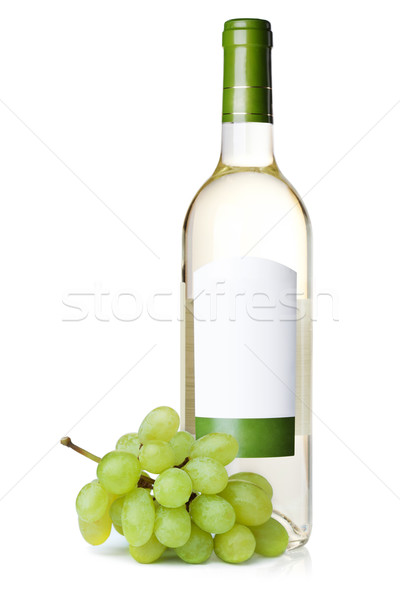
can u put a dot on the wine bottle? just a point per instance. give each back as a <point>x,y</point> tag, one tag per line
<point>246,292</point>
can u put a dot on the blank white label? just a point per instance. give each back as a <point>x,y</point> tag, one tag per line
<point>245,339</point>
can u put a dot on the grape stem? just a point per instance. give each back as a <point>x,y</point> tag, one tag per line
<point>66,441</point>
<point>193,495</point>
<point>145,481</point>
<point>182,463</point>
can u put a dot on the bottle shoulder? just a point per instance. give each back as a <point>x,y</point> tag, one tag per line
<point>246,189</point>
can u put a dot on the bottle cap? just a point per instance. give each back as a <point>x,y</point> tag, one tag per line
<point>242,32</point>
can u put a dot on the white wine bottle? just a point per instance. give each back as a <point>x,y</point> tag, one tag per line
<point>246,292</point>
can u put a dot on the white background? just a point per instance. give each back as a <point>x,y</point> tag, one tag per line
<point>110,121</point>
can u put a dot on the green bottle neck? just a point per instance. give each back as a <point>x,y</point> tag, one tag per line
<point>247,98</point>
<point>247,93</point>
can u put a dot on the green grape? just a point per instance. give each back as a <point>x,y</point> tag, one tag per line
<point>181,444</point>
<point>92,502</point>
<point>118,528</point>
<point>207,474</point>
<point>271,538</point>
<point>212,513</point>
<point>220,446</point>
<point>116,511</point>
<point>129,443</point>
<point>172,488</point>
<point>137,517</point>
<point>156,456</point>
<point>198,548</point>
<point>149,552</point>
<point>252,505</point>
<point>256,479</point>
<point>97,532</point>
<point>172,526</point>
<point>236,545</point>
<point>118,472</point>
<point>162,423</point>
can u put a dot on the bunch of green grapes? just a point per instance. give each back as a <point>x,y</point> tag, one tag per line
<point>162,489</point>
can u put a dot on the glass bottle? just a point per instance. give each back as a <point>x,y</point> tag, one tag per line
<point>246,292</point>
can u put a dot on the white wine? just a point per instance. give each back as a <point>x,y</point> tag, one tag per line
<point>246,292</point>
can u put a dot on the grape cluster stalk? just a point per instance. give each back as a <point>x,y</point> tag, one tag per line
<point>190,505</point>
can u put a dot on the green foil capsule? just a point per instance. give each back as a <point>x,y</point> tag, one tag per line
<point>247,94</point>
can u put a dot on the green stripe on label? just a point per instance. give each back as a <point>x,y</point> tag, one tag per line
<point>256,437</point>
